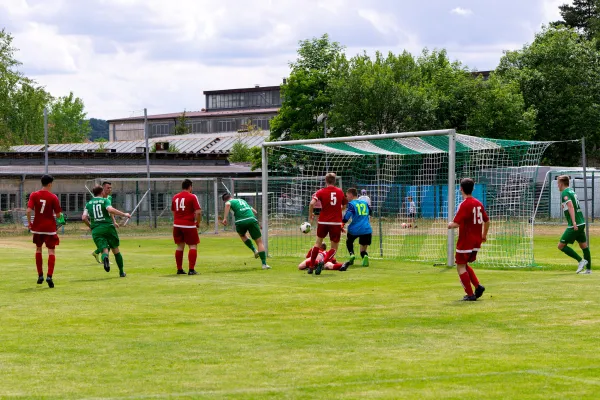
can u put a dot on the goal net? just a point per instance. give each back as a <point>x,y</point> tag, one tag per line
<point>412,180</point>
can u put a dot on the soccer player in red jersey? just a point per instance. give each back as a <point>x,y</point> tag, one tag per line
<point>187,215</point>
<point>46,208</point>
<point>332,264</point>
<point>471,219</point>
<point>332,200</point>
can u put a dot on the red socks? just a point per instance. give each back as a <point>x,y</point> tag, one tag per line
<point>51,261</point>
<point>337,266</point>
<point>314,255</point>
<point>329,255</point>
<point>38,263</point>
<point>466,282</point>
<point>473,277</point>
<point>192,254</point>
<point>179,259</point>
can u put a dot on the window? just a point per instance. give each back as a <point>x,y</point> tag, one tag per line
<point>225,125</point>
<point>160,130</point>
<point>3,201</point>
<point>198,126</point>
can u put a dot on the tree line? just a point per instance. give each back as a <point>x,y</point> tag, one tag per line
<point>22,103</point>
<point>549,90</point>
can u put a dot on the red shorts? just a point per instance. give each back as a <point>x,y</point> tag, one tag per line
<point>334,232</point>
<point>465,258</point>
<point>51,241</point>
<point>188,236</point>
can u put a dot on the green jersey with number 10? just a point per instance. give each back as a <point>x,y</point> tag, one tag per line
<point>568,195</point>
<point>97,212</point>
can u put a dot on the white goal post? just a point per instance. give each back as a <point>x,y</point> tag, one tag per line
<point>450,133</point>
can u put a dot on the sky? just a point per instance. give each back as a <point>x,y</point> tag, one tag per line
<point>121,56</point>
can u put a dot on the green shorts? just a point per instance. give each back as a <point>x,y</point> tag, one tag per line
<point>571,235</point>
<point>252,227</point>
<point>105,237</point>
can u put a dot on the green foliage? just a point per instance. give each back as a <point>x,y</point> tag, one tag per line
<point>582,15</point>
<point>240,152</point>
<point>99,129</point>
<point>67,120</point>
<point>172,148</point>
<point>559,76</point>
<point>181,127</point>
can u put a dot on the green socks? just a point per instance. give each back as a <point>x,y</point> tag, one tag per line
<point>97,251</point>
<point>119,259</point>
<point>588,257</point>
<point>104,255</point>
<point>263,257</point>
<point>571,253</point>
<point>249,245</point>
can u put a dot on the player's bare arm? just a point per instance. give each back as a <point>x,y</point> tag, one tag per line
<point>572,214</point>
<point>453,225</point>
<point>198,217</point>
<point>311,208</point>
<point>114,211</point>
<point>226,213</point>
<point>29,210</point>
<point>486,228</point>
<point>86,218</point>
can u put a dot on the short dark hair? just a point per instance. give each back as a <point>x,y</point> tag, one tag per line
<point>467,185</point>
<point>186,184</point>
<point>323,246</point>
<point>226,196</point>
<point>353,192</point>
<point>330,178</point>
<point>97,190</point>
<point>46,180</point>
<point>106,183</point>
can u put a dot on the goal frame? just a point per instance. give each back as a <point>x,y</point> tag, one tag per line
<point>451,133</point>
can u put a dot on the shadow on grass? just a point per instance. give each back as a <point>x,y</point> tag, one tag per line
<point>95,279</point>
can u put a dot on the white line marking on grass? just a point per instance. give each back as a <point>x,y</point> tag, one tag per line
<point>221,392</point>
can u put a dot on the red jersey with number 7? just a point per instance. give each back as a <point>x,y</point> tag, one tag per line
<point>46,207</point>
<point>470,216</point>
<point>184,206</point>
<point>332,199</point>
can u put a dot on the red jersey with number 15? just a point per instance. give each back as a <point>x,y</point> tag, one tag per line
<point>470,216</point>
<point>46,207</point>
<point>332,199</point>
<point>184,206</point>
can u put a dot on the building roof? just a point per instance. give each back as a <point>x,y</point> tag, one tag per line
<point>220,143</point>
<point>201,114</point>
<point>243,90</point>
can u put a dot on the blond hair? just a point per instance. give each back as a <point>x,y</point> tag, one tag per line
<point>564,179</point>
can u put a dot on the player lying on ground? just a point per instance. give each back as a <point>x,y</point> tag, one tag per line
<point>187,215</point>
<point>470,219</point>
<point>246,222</point>
<point>330,220</point>
<point>45,206</point>
<point>107,194</point>
<point>97,216</point>
<point>360,228</point>
<point>575,232</point>
<point>332,264</point>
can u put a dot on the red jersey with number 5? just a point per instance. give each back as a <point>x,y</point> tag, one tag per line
<point>184,206</point>
<point>332,199</point>
<point>46,207</point>
<point>470,216</point>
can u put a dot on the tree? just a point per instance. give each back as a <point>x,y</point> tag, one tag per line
<point>240,152</point>
<point>67,120</point>
<point>99,129</point>
<point>181,126</point>
<point>307,91</point>
<point>584,16</point>
<point>559,77</point>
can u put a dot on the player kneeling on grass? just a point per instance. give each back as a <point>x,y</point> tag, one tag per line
<point>360,228</point>
<point>97,216</point>
<point>332,264</point>
<point>246,222</point>
<point>575,231</point>
<point>187,216</point>
<point>470,219</point>
<point>45,206</point>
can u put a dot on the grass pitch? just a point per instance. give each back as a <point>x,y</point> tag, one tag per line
<point>393,330</point>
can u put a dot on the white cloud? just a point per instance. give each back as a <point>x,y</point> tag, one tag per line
<point>465,12</point>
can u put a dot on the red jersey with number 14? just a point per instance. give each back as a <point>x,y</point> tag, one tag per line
<point>46,207</point>
<point>470,216</point>
<point>184,206</point>
<point>332,199</point>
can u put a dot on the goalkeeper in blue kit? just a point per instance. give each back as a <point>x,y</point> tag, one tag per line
<point>359,212</point>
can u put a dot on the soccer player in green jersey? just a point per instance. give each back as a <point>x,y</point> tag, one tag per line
<point>575,231</point>
<point>246,222</point>
<point>97,215</point>
<point>107,194</point>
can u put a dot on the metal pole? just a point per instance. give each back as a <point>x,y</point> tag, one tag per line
<point>379,207</point>
<point>265,199</point>
<point>216,198</point>
<point>146,134</point>
<point>45,140</point>
<point>585,189</point>
<point>451,193</point>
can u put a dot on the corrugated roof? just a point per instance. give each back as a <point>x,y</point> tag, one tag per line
<point>194,143</point>
<point>126,170</point>
<point>199,114</point>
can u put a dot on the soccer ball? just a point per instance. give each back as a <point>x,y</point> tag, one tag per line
<point>305,227</point>
<point>404,225</point>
